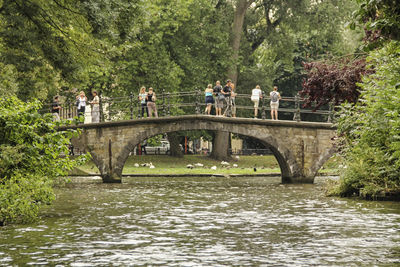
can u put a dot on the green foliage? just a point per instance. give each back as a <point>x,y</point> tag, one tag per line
<point>32,154</point>
<point>298,31</point>
<point>370,130</point>
<point>380,19</point>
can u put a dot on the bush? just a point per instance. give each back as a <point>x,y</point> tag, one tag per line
<point>369,131</point>
<point>32,155</point>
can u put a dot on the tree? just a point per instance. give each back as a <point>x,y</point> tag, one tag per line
<point>380,19</point>
<point>335,81</point>
<point>32,155</point>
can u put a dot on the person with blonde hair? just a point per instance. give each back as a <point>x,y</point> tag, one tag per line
<point>256,95</point>
<point>81,100</point>
<point>143,102</point>
<point>209,98</point>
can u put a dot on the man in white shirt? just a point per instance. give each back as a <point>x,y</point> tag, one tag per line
<point>256,95</point>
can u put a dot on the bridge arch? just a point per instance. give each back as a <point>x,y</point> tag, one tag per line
<point>283,155</point>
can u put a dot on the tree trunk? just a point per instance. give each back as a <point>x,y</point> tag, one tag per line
<point>175,149</point>
<point>237,30</point>
<point>220,146</point>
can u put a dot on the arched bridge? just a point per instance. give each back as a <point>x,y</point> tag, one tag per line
<point>301,148</point>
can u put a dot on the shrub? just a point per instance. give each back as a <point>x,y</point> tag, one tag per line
<point>369,131</point>
<point>32,155</point>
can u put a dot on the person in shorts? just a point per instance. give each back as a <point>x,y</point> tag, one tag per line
<point>219,104</point>
<point>275,96</point>
<point>209,98</point>
<point>256,95</point>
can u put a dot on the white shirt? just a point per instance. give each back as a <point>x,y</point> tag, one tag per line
<point>277,94</point>
<point>82,102</point>
<point>256,94</point>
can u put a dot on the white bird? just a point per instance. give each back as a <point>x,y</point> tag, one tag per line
<point>235,165</point>
<point>225,163</point>
<point>190,166</point>
<point>213,167</point>
<point>136,165</point>
<point>198,165</point>
<point>237,157</point>
<point>151,165</point>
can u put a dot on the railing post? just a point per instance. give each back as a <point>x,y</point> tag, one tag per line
<point>139,107</point>
<point>197,102</point>
<point>101,108</point>
<point>131,102</point>
<point>330,114</point>
<point>163,103</point>
<point>296,116</point>
<point>263,115</point>
<point>109,109</point>
<point>168,104</point>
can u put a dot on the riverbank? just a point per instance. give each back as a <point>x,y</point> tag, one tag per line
<point>193,165</point>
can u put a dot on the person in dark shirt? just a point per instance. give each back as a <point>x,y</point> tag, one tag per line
<point>55,107</point>
<point>219,104</point>
<point>227,92</point>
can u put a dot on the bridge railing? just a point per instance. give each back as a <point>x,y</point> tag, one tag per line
<point>193,102</point>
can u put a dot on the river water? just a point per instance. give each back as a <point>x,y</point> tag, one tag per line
<point>205,222</point>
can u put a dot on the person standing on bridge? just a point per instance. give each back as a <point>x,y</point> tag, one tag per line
<point>151,102</point>
<point>209,98</point>
<point>56,109</point>
<point>227,93</point>
<point>219,104</point>
<point>95,107</point>
<point>256,95</point>
<point>143,102</point>
<point>275,97</point>
<point>81,100</point>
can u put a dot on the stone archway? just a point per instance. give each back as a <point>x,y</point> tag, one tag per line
<point>284,157</point>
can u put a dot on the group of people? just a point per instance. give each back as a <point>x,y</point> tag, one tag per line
<point>275,96</point>
<point>221,96</point>
<point>81,101</point>
<point>148,102</point>
<point>218,95</point>
<point>225,96</point>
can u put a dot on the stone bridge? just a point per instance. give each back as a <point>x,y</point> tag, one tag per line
<point>301,148</point>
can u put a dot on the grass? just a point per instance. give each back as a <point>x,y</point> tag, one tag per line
<point>169,165</point>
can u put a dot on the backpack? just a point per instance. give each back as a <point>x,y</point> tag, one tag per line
<point>274,97</point>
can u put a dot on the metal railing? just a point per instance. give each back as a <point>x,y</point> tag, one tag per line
<point>193,102</point>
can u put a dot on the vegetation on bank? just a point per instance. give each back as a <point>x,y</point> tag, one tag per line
<point>369,131</point>
<point>32,154</point>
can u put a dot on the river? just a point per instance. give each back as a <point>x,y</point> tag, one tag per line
<point>205,222</point>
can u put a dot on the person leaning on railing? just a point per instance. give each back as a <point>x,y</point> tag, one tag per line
<point>209,98</point>
<point>227,93</point>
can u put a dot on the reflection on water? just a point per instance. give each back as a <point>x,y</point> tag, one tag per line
<point>205,222</point>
